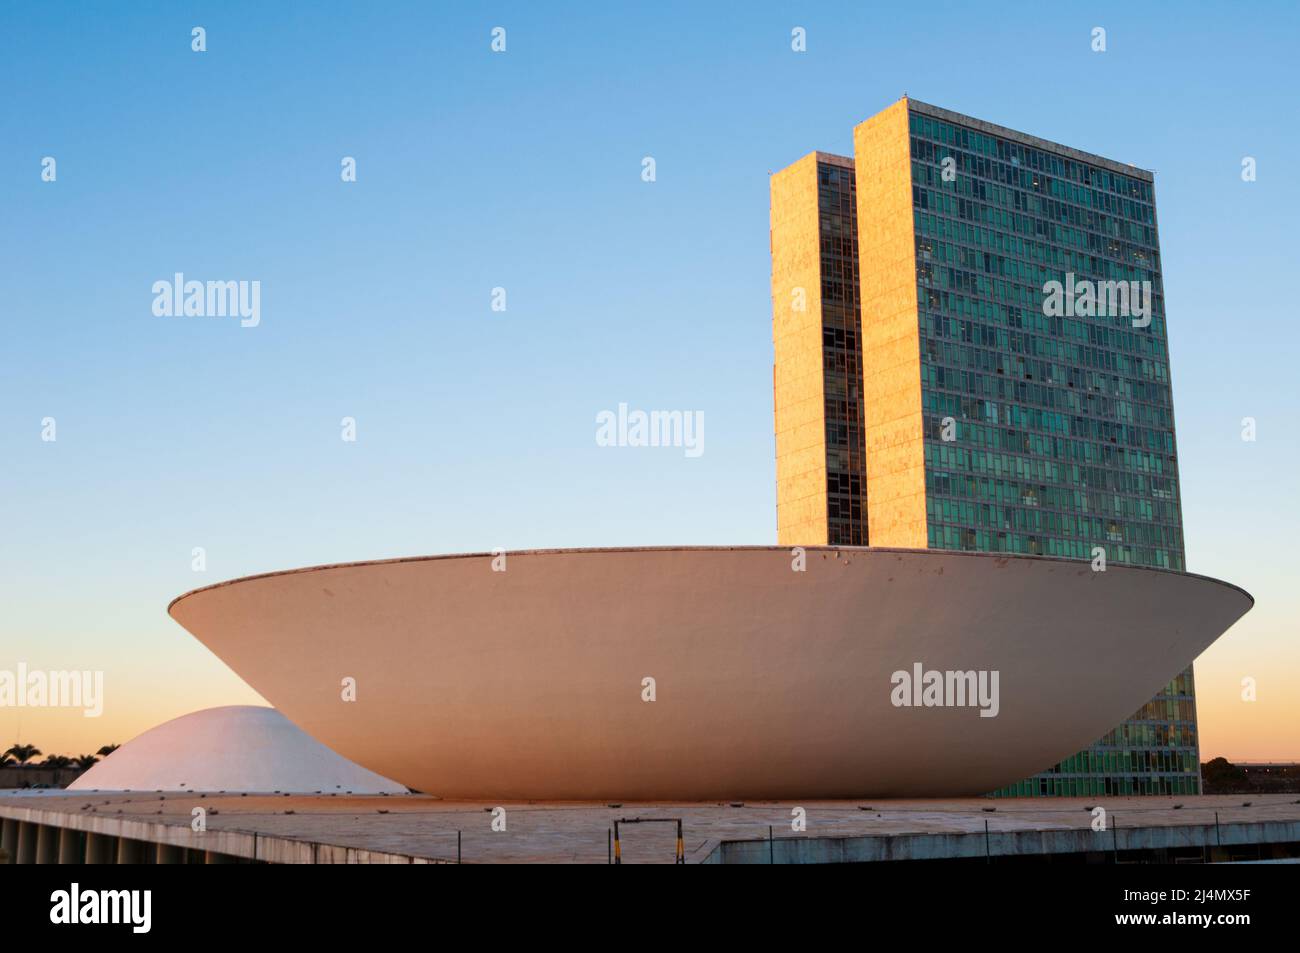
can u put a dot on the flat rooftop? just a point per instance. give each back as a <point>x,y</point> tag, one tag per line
<point>417,828</point>
<point>1025,139</point>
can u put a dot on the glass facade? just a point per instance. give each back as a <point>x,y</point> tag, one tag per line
<point>841,355</point>
<point>1049,435</point>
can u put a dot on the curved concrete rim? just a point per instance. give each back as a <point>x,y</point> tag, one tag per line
<point>657,549</point>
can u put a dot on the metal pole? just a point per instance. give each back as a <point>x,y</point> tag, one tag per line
<point>771,848</point>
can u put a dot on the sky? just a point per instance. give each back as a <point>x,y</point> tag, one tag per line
<point>523,170</point>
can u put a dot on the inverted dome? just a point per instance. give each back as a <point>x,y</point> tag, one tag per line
<point>234,748</point>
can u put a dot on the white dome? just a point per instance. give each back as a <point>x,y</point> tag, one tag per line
<point>235,748</point>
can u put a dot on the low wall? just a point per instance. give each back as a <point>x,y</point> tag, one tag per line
<point>1004,844</point>
<point>17,776</point>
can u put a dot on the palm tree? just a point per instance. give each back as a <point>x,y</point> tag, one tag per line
<point>105,751</point>
<point>23,753</point>
<point>86,762</point>
<point>57,761</point>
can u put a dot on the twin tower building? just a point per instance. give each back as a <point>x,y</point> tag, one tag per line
<point>930,392</point>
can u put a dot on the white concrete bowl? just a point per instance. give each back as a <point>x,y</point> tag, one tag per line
<point>769,683</point>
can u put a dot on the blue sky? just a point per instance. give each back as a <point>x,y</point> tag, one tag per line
<point>522,170</point>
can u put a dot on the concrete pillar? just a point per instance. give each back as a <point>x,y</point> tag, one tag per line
<point>26,843</point>
<point>212,857</point>
<point>130,851</point>
<point>100,849</point>
<point>169,854</point>
<point>9,839</point>
<point>47,844</point>
<point>72,846</point>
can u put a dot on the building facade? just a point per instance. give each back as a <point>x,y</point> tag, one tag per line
<point>818,329</point>
<point>996,414</point>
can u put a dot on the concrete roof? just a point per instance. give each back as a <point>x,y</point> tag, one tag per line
<point>323,829</point>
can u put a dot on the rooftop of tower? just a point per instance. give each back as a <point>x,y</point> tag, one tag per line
<point>947,115</point>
